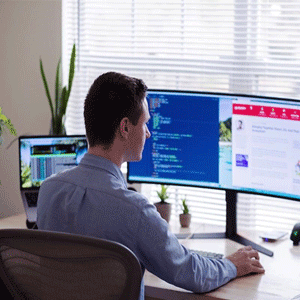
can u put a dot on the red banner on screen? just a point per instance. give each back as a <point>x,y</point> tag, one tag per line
<point>266,111</point>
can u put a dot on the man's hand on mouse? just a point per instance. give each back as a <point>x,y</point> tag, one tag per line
<point>246,261</point>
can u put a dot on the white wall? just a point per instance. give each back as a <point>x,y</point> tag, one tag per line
<point>29,29</point>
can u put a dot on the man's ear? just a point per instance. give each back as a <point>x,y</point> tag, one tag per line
<point>124,127</point>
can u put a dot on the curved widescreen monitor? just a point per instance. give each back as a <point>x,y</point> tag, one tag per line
<point>231,142</point>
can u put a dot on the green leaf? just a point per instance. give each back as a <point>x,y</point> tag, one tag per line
<point>5,122</point>
<point>3,118</point>
<point>163,194</point>
<point>185,207</point>
<point>72,69</point>
<point>57,87</point>
<point>63,102</point>
<point>46,87</point>
<point>10,127</point>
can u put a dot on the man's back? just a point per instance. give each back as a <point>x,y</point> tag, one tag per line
<point>92,201</point>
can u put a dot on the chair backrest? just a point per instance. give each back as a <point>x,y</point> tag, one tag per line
<point>37,264</point>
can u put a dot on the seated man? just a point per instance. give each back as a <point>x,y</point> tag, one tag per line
<point>92,199</point>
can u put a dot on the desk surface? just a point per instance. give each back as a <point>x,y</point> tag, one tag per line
<point>280,281</point>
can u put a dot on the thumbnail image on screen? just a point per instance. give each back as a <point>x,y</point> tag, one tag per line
<point>236,142</point>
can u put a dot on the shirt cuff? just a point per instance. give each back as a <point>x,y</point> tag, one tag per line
<point>231,268</point>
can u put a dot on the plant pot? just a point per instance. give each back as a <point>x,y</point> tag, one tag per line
<point>185,220</point>
<point>164,210</point>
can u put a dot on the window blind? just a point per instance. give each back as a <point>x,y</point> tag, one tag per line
<point>235,46</point>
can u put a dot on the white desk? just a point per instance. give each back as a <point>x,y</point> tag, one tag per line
<point>281,280</point>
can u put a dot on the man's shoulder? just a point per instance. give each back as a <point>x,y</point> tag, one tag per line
<point>135,197</point>
<point>80,177</point>
<point>107,185</point>
<point>62,176</point>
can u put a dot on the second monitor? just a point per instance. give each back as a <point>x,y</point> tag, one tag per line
<point>230,142</point>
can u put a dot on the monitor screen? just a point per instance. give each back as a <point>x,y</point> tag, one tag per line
<point>231,142</point>
<point>42,156</point>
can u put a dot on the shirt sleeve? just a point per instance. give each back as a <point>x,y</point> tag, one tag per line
<point>161,253</point>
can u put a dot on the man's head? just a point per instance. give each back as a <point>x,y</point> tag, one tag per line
<point>115,106</point>
<point>112,97</point>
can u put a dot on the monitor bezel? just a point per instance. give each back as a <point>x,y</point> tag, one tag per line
<point>238,190</point>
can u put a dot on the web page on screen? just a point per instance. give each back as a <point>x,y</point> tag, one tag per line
<point>265,146</point>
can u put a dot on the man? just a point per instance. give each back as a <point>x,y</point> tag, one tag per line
<point>92,199</point>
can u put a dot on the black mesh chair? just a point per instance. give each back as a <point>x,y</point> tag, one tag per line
<point>38,264</point>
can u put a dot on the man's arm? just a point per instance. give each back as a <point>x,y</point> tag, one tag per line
<point>162,254</point>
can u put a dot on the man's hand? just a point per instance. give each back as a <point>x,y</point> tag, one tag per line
<point>246,261</point>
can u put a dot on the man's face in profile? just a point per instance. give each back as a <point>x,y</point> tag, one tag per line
<point>138,135</point>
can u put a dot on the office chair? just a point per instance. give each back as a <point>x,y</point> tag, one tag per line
<point>37,264</point>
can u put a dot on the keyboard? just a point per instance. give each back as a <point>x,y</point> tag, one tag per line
<point>208,254</point>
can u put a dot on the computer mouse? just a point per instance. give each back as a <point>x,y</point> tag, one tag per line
<point>295,235</point>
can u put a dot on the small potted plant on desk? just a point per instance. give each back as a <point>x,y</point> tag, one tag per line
<point>185,217</point>
<point>163,207</point>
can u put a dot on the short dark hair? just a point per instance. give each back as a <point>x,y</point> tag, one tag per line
<point>112,97</point>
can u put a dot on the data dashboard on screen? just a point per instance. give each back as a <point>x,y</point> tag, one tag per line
<point>232,142</point>
<point>43,156</point>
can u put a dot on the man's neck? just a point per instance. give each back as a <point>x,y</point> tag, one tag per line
<point>112,153</point>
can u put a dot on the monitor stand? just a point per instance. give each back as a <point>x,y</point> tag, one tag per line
<point>231,226</point>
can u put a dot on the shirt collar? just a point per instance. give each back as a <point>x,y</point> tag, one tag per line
<point>100,162</point>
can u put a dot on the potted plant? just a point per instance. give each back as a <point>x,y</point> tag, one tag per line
<point>163,207</point>
<point>185,217</point>
<point>62,94</point>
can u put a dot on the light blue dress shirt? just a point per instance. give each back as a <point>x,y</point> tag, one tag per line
<point>92,199</point>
